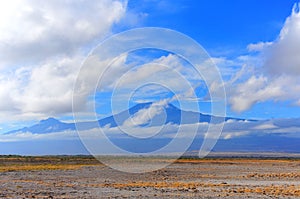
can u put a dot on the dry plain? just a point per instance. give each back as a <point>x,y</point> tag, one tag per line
<point>85,177</point>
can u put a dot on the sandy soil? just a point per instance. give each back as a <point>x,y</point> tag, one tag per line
<point>187,178</point>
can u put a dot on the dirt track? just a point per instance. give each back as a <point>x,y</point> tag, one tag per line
<point>213,178</point>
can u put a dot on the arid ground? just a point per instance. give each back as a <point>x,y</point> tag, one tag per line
<point>85,177</point>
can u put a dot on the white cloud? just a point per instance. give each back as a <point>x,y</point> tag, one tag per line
<point>232,129</point>
<point>144,116</point>
<point>166,70</point>
<point>255,89</point>
<point>97,141</point>
<point>283,56</point>
<point>259,46</point>
<point>46,88</point>
<point>231,135</point>
<point>278,76</point>
<point>7,98</point>
<point>265,126</point>
<point>50,87</point>
<point>28,136</point>
<point>42,45</point>
<point>32,31</point>
<point>168,75</point>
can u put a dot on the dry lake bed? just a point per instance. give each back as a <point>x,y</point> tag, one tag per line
<point>85,177</point>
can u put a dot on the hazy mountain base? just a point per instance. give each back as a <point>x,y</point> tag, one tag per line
<point>275,144</point>
<point>42,140</point>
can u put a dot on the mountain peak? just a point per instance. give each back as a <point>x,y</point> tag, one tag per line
<point>148,104</point>
<point>50,120</point>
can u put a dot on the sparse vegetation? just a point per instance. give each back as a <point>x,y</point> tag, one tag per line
<point>85,177</point>
<point>11,163</point>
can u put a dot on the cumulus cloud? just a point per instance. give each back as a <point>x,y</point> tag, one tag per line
<point>265,126</point>
<point>169,71</point>
<point>28,136</point>
<point>232,129</point>
<point>33,30</point>
<point>282,127</point>
<point>259,46</point>
<point>49,88</point>
<point>144,116</point>
<point>45,89</point>
<point>254,90</point>
<point>160,78</point>
<point>283,56</point>
<point>42,45</point>
<point>278,76</point>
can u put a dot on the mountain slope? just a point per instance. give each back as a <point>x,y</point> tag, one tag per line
<point>46,126</point>
<point>254,136</point>
<point>172,115</point>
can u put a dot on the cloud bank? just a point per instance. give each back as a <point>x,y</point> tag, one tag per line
<point>277,79</point>
<point>32,31</point>
<point>42,45</point>
<point>232,129</point>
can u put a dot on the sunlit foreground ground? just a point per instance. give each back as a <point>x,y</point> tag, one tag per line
<point>85,177</point>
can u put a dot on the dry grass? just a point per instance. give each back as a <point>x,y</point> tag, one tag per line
<point>274,175</point>
<point>34,163</point>
<point>11,168</point>
<point>195,177</point>
<point>237,161</point>
<point>273,190</point>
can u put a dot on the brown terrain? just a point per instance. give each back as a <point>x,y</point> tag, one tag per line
<point>85,177</point>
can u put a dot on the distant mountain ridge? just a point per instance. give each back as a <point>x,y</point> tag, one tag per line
<point>46,126</point>
<point>257,140</point>
<point>173,115</point>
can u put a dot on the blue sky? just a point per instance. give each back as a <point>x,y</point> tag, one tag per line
<point>220,26</point>
<point>40,59</point>
<point>225,29</point>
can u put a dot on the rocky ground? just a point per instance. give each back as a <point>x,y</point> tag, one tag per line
<point>186,178</point>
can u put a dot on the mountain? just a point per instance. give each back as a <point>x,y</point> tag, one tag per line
<point>46,126</point>
<point>239,135</point>
<point>172,115</point>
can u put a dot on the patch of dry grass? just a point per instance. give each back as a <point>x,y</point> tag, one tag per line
<point>236,161</point>
<point>274,175</point>
<point>10,168</point>
<point>33,163</point>
<point>273,190</point>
